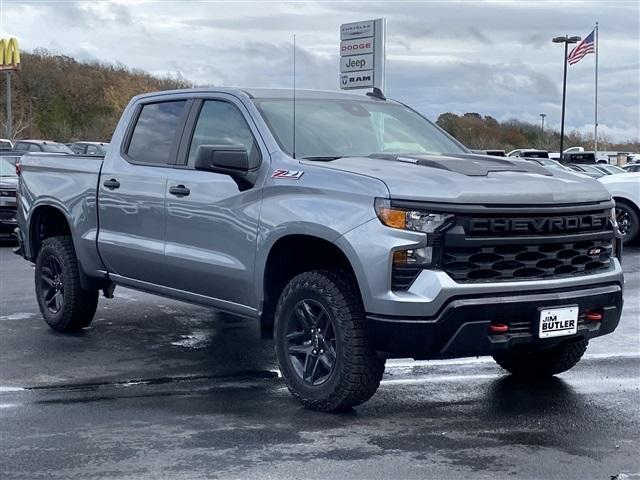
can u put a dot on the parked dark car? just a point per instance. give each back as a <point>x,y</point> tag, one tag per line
<point>528,153</point>
<point>41,146</point>
<point>579,157</point>
<point>493,153</point>
<point>89,148</point>
<point>8,188</point>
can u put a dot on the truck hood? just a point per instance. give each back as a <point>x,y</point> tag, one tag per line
<point>472,179</point>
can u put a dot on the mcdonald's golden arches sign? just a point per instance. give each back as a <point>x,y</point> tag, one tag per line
<point>9,54</point>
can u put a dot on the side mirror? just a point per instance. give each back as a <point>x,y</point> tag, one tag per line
<point>232,160</point>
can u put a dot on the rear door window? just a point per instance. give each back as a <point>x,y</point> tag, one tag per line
<point>154,136</point>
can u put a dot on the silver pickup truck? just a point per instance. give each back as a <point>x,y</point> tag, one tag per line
<point>348,225</point>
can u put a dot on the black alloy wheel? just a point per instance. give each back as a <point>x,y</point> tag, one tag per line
<point>311,342</point>
<point>64,304</point>
<point>628,221</point>
<point>52,286</point>
<point>324,353</point>
<point>624,221</point>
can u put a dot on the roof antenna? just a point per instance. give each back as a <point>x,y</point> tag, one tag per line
<point>376,93</point>
<point>294,95</point>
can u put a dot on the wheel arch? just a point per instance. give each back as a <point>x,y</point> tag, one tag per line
<point>46,221</point>
<point>290,255</point>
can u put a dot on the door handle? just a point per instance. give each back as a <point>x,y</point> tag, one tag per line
<point>112,184</point>
<point>179,191</point>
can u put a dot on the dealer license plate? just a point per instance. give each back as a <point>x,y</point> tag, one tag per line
<point>558,322</point>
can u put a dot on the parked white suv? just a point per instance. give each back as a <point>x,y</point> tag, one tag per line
<point>625,190</point>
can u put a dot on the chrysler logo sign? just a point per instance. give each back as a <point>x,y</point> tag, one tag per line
<point>356,30</point>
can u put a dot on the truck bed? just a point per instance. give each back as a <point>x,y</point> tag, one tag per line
<point>68,182</point>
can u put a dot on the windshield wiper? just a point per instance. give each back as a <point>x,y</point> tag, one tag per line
<point>321,159</point>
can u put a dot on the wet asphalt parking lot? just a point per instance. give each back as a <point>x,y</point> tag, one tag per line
<point>161,389</point>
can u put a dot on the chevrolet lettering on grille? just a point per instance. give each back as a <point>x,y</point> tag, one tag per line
<point>539,224</point>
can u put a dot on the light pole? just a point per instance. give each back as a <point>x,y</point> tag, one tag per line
<point>566,40</point>
<point>542,115</point>
<point>31,99</point>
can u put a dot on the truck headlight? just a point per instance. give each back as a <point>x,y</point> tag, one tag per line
<point>417,220</point>
<point>431,223</point>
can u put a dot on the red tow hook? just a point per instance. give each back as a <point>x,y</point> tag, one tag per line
<point>498,328</point>
<point>593,316</point>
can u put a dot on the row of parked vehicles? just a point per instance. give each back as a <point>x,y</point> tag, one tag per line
<point>48,146</point>
<point>10,154</point>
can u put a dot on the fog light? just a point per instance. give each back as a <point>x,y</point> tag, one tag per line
<point>418,256</point>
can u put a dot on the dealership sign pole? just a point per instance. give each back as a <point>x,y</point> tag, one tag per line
<point>9,62</point>
<point>362,55</point>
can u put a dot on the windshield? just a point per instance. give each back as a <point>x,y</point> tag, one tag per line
<point>56,148</point>
<point>6,168</point>
<point>349,128</point>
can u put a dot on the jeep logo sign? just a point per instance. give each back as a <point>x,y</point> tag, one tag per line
<point>362,54</point>
<point>356,62</point>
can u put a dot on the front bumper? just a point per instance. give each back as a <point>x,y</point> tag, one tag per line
<point>7,227</point>
<point>461,327</point>
<point>370,248</point>
<point>8,214</point>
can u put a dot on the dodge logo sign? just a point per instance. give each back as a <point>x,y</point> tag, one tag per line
<point>594,251</point>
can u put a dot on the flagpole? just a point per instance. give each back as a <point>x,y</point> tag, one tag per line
<point>595,125</point>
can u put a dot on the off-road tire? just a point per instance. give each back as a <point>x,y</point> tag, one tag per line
<point>78,305</point>
<point>357,370</point>
<point>543,363</point>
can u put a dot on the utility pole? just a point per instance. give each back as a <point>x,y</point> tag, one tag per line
<point>566,40</point>
<point>31,99</point>
<point>8,130</point>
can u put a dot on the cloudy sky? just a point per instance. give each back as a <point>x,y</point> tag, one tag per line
<point>491,57</point>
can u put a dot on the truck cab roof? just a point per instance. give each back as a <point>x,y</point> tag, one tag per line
<point>266,93</point>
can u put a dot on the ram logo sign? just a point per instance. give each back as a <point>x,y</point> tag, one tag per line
<point>9,54</point>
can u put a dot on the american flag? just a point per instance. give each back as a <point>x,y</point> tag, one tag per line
<point>585,47</point>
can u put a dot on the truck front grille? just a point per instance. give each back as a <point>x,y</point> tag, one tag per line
<point>526,261</point>
<point>529,246</point>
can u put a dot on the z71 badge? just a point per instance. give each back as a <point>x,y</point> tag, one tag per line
<point>287,174</point>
